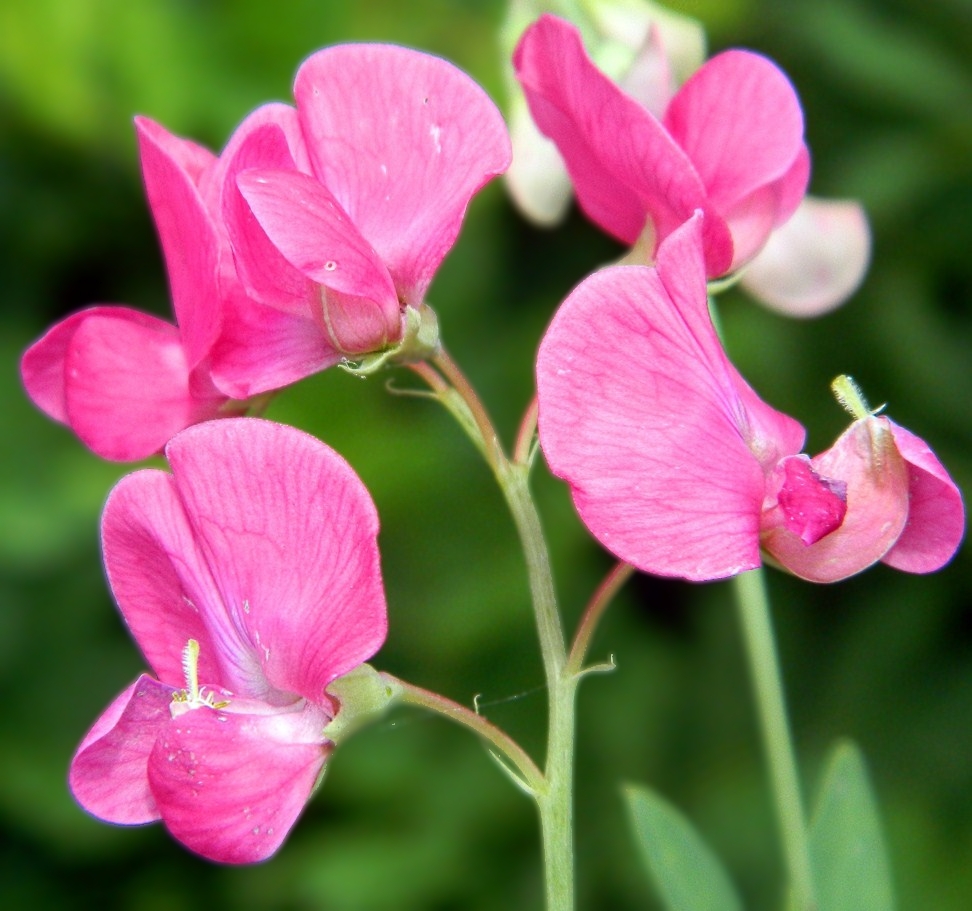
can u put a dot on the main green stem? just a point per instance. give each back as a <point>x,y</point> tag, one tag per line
<point>754,613</point>
<point>555,796</point>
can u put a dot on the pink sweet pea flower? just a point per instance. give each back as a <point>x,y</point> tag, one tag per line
<point>333,251</point>
<point>123,380</point>
<point>730,142</point>
<point>250,579</point>
<point>679,468</point>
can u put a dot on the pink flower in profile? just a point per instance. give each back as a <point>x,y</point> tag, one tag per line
<point>679,468</point>
<point>123,380</point>
<point>729,142</point>
<point>250,579</point>
<point>334,250</point>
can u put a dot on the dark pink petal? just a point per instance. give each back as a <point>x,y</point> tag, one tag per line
<point>307,225</point>
<point>739,121</point>
<point>157,578</point>
<point>810,506</point>
<point>289,533</point>
<point>189,240</point>
<point>866,459</point>
<point>230,786</point>
<point>936,515</point>
<point>109,772</point>
<point>262,348</point>
<point>194,160</point>
<point>127,383</point>
<point>263,140</point>
<point>625,166</point>
<point>642,415</point>
<point>403,140</point>
<point>815,261</point>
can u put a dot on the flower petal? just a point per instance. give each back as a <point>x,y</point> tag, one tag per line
<point>109,772</point>
<point>289,533</point>
<point>625,166</point>
<point>866,459</point>
<point>127,386</point>
<point>230,786</point>
<point>739,120</point>
<point>813,262</point>
<point>403,140</point>
<point>188,237</point>
<point>157,578</point>
<point>641,414</point>
<point>936,516</point>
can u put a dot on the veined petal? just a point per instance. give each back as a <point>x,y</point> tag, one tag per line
<point>156,575</point>
<point>739,120</point>
<point>625,166</point>
<point>109,772</point>
<point>403,140</point>
<point>230,785</point>
<point>126,389</point>
<point>866,459</point>
<point>641,414</point>
<point>188,237</point>
<point>308,226</point>
<point>813,262</point>
<point>262,348</point>
<point>936,515</point>
<point>289,534</point>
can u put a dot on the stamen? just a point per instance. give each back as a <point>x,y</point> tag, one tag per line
<point>194,696</point>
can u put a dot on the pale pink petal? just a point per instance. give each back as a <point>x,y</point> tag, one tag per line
<point>649,79</point>
<point>289,533</point>
<point>109,772</point>
<point>866,459</point>
<point>936,515</point>
<point>813,262</point>
<point>162,588</point>
<point>625,166</point>
<point>403,140</point>
<point>188,237</point>
<point>262,348</point>
<point>640,413</point>
<point>307,225</point>
<point>127,384</point>
<point>739,121</point>
<point>230,786</point>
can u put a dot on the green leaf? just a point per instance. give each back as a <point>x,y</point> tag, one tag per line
<point>850,866</point>
<point>685,872</point>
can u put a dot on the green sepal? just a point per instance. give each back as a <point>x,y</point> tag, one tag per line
<point>420,341</point>
<point>363,695</point>
<point>686,874</point>
<point>847,853</point>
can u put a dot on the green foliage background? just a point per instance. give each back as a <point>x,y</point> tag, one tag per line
<point>413,814</point>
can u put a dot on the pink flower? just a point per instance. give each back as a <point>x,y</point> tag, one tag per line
<point>730,142</point>
<point>250,579</point>
<point>334,249</point>
<point>126,381</point>
<point>678,467</point>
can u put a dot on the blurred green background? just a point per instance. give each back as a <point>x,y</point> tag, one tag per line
<point>414,814</point>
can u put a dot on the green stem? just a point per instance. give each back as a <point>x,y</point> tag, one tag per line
<point>528,775</point>
<point>754,613</point>
<point>555,795</point>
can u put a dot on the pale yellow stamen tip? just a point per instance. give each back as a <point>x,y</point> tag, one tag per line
<point>849,394</point>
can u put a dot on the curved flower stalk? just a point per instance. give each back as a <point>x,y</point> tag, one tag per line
<point>678,467</point>
<point>250,579</point>
<point>334,252</point>
<point>125,381</point>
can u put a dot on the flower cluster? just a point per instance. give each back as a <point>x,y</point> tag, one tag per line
<point>249,575</point>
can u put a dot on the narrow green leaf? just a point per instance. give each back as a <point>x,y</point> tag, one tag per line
<point>685,872</point>
<point>850,866</point>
